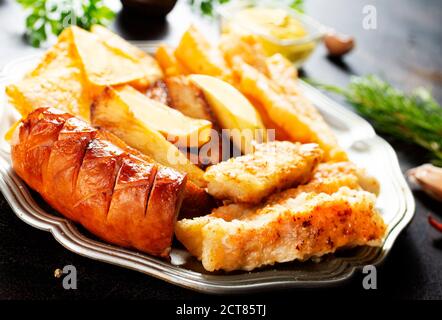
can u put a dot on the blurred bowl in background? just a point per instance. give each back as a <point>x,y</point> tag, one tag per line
<point>297,44</point>
<point>150,8</point>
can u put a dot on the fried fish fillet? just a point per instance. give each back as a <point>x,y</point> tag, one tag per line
<point>327,178</point>
<point>329,212</point>
<point>309,225</point>
<point>272,167</point>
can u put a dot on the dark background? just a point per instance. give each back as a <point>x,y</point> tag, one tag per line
<point>405,49</point>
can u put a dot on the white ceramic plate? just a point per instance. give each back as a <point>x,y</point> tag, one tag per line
<point>365,148</point>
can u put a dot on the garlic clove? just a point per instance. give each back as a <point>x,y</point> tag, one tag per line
<point>338,44</point>
<point>429,178</point>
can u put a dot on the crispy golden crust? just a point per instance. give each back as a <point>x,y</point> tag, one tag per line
<point>73,72</point>
<point>240,224</point>
<point>120,197</point>
<point>327,178</point>
<point>306,226</point>
<point>271,167</point>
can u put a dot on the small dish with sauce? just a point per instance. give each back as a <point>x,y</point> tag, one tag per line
<point>278,29</point>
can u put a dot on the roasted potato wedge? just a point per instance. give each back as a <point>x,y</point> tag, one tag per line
<point>168,62</point>
<point>173,125</point>
<point>293,113</point>
<point>245,46</point>
<point>199,56</point>
<point>149,66</point>
<point>233,111</point>
<point>158,91</point>
<point>188,98</point>
<point>111,112</point>
<point>107,61</point>
<point>57,81</point>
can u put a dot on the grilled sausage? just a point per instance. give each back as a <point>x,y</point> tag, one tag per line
<point>93,178</point>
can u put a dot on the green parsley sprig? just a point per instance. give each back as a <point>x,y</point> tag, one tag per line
<point>414,117</point>
<point>52,16</point>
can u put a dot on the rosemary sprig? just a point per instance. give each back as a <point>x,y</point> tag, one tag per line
<point>414,117</point>
<point>52,16</point>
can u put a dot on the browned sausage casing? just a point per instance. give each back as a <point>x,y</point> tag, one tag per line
<point>94,179</point>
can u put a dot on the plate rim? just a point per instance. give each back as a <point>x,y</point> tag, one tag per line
<point>66,233</point>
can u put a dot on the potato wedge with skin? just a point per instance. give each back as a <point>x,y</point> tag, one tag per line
<point>279,133</point>
<point>283,72</point>
<point>199,56</point>
<point>293,113</point>
<point>245,46</point>
<point>168,62</point>
<point>57,81</point>
<point>189,99</point>
<point>149,66</point>
<point>233,111</point>
<point>105,65</point>
<point>173,125</point>
<point>112,113</point>
<point>158,91</point>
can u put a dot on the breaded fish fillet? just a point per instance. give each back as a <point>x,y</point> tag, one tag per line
<point>309,225</point>
<point>271,167</point>
<point>328,178</point>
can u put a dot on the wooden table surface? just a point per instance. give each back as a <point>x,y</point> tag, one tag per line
<point>404,49</point>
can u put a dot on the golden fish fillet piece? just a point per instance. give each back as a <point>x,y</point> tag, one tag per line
<point>309,225</point>
<point>328,178</point>
<point>335,179</point>
<point>273,166</point>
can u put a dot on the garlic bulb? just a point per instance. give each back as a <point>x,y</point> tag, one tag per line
<point>429,178</point>
<point>338,44</point>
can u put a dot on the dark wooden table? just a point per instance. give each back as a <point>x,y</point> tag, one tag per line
<point>405,49</point>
